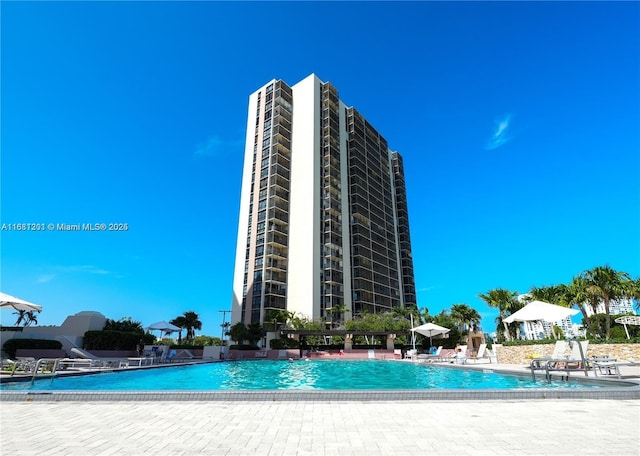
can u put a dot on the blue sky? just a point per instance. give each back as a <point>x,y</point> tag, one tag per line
<point>518,123</point>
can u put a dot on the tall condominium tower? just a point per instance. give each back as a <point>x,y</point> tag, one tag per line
<point>323,228</point>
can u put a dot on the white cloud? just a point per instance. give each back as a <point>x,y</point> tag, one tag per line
<point>426,288</point>
<point>44,278</point>
<point>501,135</point>
<point>215,145</point>
<point>84,268</point>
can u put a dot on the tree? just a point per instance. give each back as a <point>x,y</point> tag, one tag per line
<point>238,333</point>
<point>26,317</point>
<point>424,316</point>
<point>279,317</point>
<point>336,315</point>
<point>255,332</point>
<point>465,315</point>
<point>506,303</point>
<point>603,283</point>
<point>189,321</point>
<point>126,324</point>
<point>560,295</point>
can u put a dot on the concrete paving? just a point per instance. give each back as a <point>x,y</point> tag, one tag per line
<point>540,427</point>
<point>324,427</point>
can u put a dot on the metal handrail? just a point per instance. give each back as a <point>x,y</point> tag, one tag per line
<point>45,360</point>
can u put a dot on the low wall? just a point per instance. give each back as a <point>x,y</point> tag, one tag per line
<point>521,354</point>
<point>38,353</point>
<point>295,354</point>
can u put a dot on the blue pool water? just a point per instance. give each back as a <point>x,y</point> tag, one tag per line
<point>299,375</point>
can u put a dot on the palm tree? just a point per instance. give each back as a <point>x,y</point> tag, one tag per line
<point>238,332</point>
<point>423,315</point>
<point>603,283</point>
<point>189,321</point>
<point>26,317</point>
<point>560,295</point>
<point>506,303</point>
<point>576,293</point>
<point>465,315</point>
<point>336,314</point>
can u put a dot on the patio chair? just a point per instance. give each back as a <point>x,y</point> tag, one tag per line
<point>540,363</point>
<point>483,353</point>
<point>431,356</point>
<point>577,361</point>
<point>94,361</point>
<point>410,354</point>
<point>611,367</point>
<point>461,356</point>
<point>169,358</point>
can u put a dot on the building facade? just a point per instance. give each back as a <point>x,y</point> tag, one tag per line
<point>323,227</point>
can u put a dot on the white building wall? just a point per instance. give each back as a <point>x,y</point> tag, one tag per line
<point>346,221</point>
<point>243,221</point>
<point>617,307</point>
<point>303,281</point>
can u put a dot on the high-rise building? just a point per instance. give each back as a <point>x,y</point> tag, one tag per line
<point>323,228</point>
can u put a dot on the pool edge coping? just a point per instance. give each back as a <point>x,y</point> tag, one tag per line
<point>625,393</point>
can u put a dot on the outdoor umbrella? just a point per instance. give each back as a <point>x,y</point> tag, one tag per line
<point>430,330</point>
<point>8,301</point>
<point>163,327</point>
<point>539,310</point>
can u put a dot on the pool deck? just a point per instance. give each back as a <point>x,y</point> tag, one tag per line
<point>325,426</point>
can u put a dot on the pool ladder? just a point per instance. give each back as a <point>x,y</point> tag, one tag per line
<point>44,363</point>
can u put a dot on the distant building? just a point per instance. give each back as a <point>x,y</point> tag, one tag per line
<point>70,333</point>
<point>616,307</point>
<point>323,227</point>
<point>533,330</point>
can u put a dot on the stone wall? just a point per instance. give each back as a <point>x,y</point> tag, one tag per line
<point>522,354</point>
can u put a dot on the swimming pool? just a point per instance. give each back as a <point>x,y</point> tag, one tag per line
<point>300,375</point>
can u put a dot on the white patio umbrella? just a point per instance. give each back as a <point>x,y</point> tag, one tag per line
<point>8,301</point>
<point>430,330</point>
<point>540,310</point>
<point>628,320</point>
<point>163,327</point>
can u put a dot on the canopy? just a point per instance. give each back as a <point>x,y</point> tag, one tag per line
<point>8,301</point>
<point>628,320</point>
<point>539,310</point>
<point>430,329</point>
<point>163,326</point>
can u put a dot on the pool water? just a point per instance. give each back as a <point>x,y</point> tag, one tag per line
<point>284,375</point>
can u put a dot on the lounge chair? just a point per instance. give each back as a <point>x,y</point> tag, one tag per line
<point>94,361</point>
<point>169,358</point>
<point>409,354</point>
<point>22,365</point>
<point>540,363</point>
<point>483,353</point>
<point>577,361</point>
<point>610,367</point>
<point>461,356</point>
<point>431,356</point>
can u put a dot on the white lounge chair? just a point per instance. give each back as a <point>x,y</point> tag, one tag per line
<point>540,363</point>
<point>94,361</point>
<point>611,367</point>
<point>431,356</point>
<point>577,361</point>
<point>483,353</point>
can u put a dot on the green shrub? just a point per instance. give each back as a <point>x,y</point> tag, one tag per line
<point>12,345</point>
<point>114,340</point>
<point>244,347</point>
<point>285,342</point>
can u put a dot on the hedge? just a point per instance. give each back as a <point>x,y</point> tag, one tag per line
<point>114,340</point>
<point>12,345</point>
